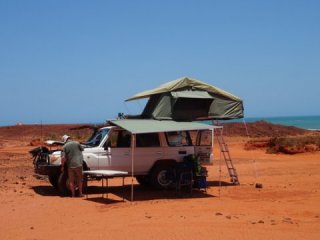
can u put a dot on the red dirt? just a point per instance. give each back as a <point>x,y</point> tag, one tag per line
<point>287,207</point>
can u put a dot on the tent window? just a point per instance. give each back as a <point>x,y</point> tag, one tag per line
<point>190,108</point>
<point>179,138</point>
<point>148,140</point>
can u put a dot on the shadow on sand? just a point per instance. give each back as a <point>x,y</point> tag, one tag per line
<point>140,194</point>
<point>220,184</point>
<point>47,191</point>
<point>115,194</point>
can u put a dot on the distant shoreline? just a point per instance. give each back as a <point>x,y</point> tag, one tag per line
<point>311,123</point>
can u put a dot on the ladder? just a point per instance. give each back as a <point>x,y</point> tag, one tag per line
<point>226,155</point>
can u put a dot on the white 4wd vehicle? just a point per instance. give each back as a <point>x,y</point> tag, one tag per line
<point>110,149</point>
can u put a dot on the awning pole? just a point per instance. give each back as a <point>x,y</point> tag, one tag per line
<point>133,143</point>
<point>212,143</point>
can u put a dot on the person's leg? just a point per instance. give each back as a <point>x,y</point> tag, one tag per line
<point>79,179</point>
<point>71,175</point>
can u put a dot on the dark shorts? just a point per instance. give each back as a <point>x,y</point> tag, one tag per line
<point>75,175</point>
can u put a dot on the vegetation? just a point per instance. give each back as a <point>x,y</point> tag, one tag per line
<point>293,145</point>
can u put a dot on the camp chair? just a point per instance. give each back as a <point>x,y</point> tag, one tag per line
<point>199,173</point>
<point>200,179</point>
<point>183,177</point>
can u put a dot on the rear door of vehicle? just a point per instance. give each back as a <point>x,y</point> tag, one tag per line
<point>179,145</point>
<point>203,147</point>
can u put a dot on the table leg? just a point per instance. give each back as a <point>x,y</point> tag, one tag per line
<point>86,176</point>
<point>122,189</point>
<point>107,187</point>
<point>102,179</point>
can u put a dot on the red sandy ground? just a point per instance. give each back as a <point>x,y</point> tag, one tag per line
<point>287,207</point>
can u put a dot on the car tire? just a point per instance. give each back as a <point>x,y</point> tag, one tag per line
<point>144,180</point>
<point>63,184</point>
<point>161,176</point>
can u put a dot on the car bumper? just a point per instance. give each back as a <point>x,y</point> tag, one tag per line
<point>45,169</point>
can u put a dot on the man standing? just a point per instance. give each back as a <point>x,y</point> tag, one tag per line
<point>73,158</point>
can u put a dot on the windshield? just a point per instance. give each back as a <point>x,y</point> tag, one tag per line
<point>96,139</point>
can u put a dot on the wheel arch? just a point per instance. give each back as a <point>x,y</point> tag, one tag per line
<point>85,165</point>
<point>162,162</point>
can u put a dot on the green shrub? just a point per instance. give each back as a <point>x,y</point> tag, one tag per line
<point>293,145</point>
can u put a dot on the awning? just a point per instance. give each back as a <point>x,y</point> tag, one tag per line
<point>136,126</point>
<point>139,126</point>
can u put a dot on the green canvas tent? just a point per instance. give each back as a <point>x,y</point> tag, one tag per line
<point>188,99</point>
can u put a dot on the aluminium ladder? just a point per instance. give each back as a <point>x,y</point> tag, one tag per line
<point>226,155</point>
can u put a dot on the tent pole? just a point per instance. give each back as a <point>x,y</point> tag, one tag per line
<point>217,122</point>
<point>212,143</point>
<point>133,143</point>
<point>252,156</point>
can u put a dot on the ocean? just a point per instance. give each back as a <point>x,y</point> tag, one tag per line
<point>306,122</point>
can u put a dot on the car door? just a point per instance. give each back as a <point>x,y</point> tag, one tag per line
<point>118,151</point>
<point>179,145</point>
<point>92,157</point>
<point>147,152</point>
<point>203,147</point>
<point>95,155</point>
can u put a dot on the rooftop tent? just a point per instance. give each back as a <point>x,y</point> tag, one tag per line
<point>187,99</point>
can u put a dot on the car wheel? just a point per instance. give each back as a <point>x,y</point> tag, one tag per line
<point>143,180</point>
<point>161,176</point>
<point>63,184</point>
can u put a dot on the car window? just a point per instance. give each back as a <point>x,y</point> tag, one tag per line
<point>119,139</point>
<point>178,138</point>
<point>204,138</point>
<point>193,136</point>
<point>96,139</point>
<point>148,140</point>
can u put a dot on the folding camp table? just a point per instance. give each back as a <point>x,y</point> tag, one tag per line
<point>104,174</point>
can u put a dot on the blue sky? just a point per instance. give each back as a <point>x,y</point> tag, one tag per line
<point>77,61</point>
